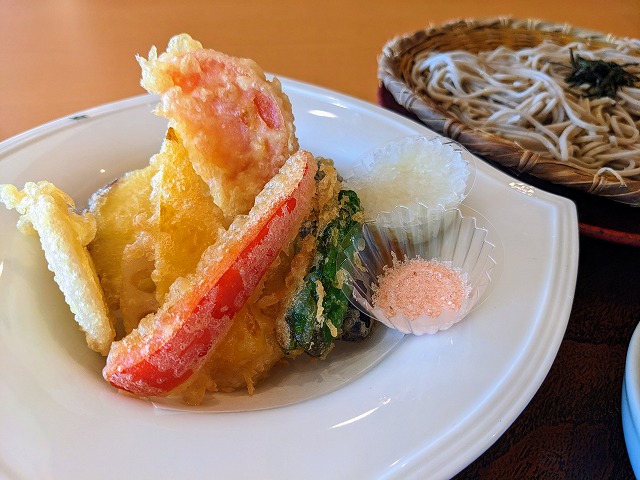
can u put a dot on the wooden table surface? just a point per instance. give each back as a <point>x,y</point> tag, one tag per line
<point>62,56</point>
<point>59,57</point>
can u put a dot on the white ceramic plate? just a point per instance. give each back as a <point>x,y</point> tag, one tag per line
<point>426,409</point>
<point>631,401</point>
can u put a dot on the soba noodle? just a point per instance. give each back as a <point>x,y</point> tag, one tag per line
<point>521,95</point>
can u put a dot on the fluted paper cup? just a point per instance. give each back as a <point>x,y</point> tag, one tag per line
<point>398,179</point>
<point>451,239</point>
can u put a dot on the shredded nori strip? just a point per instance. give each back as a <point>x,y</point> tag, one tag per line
<point>601,78</point>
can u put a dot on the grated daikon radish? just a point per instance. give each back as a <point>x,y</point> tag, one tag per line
<point>409,172</point>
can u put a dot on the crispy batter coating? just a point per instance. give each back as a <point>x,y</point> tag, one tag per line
<point>152,226</point>
<point>236,125</point>
<point>64,234</point>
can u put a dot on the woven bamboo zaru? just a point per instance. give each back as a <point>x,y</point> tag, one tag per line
<point>395,74</point>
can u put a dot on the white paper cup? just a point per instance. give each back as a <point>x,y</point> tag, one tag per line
<point>450,238</point>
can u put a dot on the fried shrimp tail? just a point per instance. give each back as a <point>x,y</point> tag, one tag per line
<point>237,126</point>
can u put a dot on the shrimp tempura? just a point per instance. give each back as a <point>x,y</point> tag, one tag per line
<point>237,126</point>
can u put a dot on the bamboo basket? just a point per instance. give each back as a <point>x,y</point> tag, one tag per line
<point>399,57</point>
